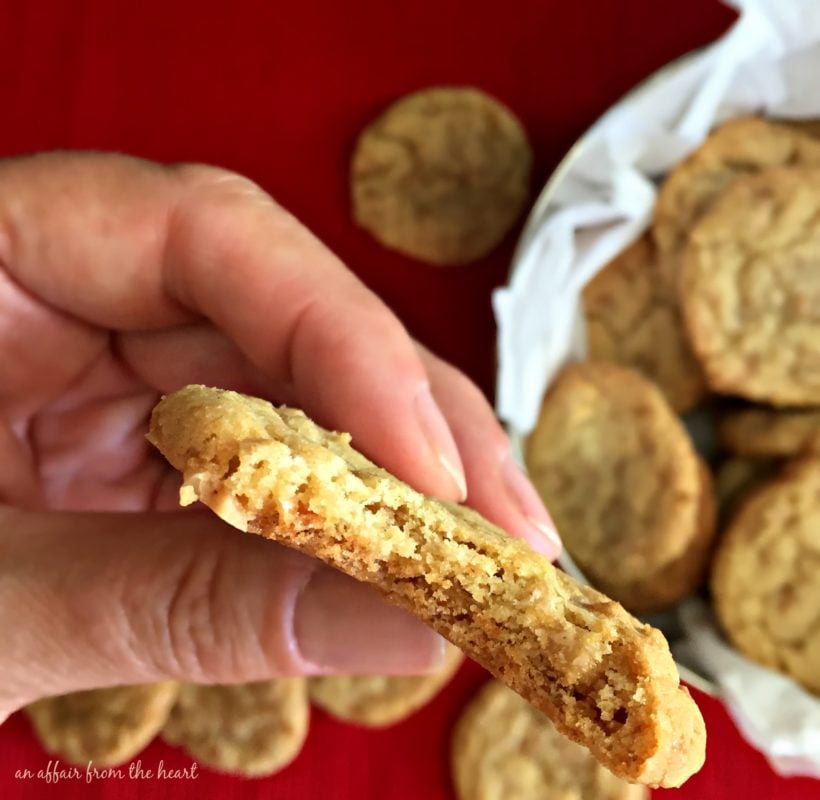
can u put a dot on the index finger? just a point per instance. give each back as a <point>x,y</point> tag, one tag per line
<point>129,245</point>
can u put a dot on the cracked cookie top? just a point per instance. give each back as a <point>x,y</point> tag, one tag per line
<point>633,318</point>
<point>751,288</point>
<point>442,175</point>
<point>621,479</point>
<point>739,147</point>
<point>766,574</point>
<point>104,726</point>
<point>247,728</point>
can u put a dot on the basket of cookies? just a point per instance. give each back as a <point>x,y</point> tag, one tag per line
<point>659,366</point>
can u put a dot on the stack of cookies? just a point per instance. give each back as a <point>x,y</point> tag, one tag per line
<point>715,309</point>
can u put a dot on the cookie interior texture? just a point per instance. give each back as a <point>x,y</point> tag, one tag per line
<point>629,495</point>
<point>766,574</point>
<point>441,175</point>
<point>250,729</point>
<point>105,726</point>
<point>605,679</point>
<point>380,700</point>
<point>504,749</point>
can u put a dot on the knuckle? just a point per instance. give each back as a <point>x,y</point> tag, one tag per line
<point>199,637</point>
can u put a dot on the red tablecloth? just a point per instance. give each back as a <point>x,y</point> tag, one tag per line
<point>279,91</point>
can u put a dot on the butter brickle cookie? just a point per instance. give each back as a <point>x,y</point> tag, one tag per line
<point>750,288</point>
<point>606,680</point>
<point>442,175</point>
<point>104,726</point>
<point>633,318</point>
<point>766,574</point>
<point>380,700</point>
<point>504,749</point>
<point>739,147</point>
<point>771,432</point>
<point>249,729</point>
<point>623,483</point>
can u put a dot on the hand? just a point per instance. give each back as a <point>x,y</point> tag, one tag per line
<point>122,279</point>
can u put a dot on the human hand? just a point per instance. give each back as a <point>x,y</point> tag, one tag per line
<point>121,280</point>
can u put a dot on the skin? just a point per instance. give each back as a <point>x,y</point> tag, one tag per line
<point>122,279</point>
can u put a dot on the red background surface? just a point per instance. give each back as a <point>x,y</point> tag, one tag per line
<point>279,91</point>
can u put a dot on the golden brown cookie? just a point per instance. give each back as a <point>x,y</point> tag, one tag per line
<point>104,726</point>
<point>750,288</point>
<point>741,146</point>
<point>771,432</point>
<point>766,574</point>
<point>606,680</point>
<point>504,749</point>
<point>442,175</point>
<point>623,483</point>
<point>250,729</point>
<point>380,700</point>
<point>633,319</point>
<point>736,477</point>
<point>811,127</point>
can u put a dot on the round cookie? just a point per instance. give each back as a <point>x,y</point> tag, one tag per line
<point>740,146</point>
<point>766,575</point>
<point>442,175</point>
<point>623,483</point>
<point>380,700</point>
<point>770,432</point>
<point>504,749</point>
<point>633,319</point>
<point>104,726</point>
<point>248,728</point>
<point>751,288</point>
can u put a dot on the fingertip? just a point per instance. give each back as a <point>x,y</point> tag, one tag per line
<point>436,433</point>
<point>529,518</point>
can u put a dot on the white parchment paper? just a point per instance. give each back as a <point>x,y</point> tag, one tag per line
<point>769,62</point>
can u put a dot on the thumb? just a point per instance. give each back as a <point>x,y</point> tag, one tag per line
<point>92,600</point>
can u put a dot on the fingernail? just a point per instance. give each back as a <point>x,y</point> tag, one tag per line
<point>343,626</point>
<point>545,537</point>
<point>438,435</point>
